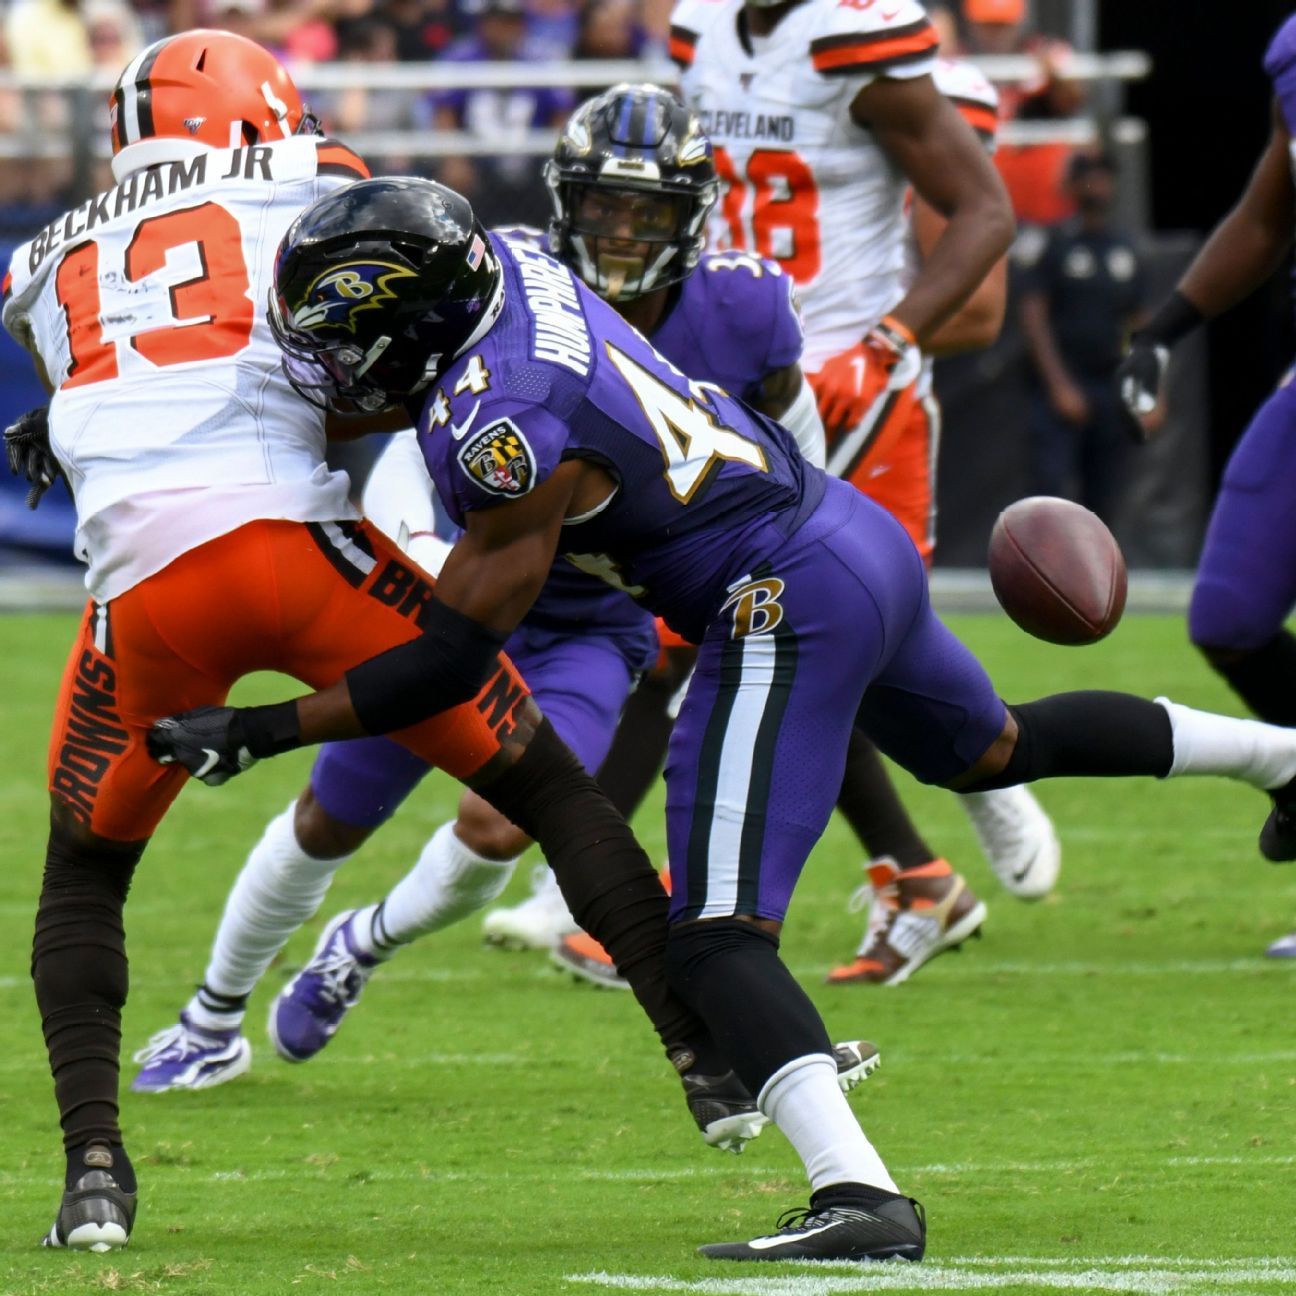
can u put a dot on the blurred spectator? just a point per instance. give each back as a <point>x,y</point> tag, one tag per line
<point>371,108</point>
<point>504,190</point>
<point>552,28</point>
<point>47,38</point>
<point>610,29</point>
<point>1034,173</point>
<point>1083,289</point>
<point>114,34</point>
<point>423,27</point>
<point>945,21</point>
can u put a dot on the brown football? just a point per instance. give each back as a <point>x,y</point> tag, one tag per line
<point>1057,570</point>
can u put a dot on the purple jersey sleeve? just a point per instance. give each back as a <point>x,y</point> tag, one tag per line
<point>501,451</point>
<point>1280,65</point>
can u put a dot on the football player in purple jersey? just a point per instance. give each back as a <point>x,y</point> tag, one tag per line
<point>1246,580</point>
<point>580,647</point>
<point>550,425</point>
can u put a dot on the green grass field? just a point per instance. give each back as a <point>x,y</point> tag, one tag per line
<point>1100,1095</point>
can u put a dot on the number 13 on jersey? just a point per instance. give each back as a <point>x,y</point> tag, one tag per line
<point>773,210</point>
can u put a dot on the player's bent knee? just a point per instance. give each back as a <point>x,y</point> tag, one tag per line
<point>322,836</point>
<point>486,832</point>
<point>993,761</point>
<point>1222,620</point>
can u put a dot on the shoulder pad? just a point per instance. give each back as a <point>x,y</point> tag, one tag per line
<point>969,91</point>
<point>872,38</point>
<point>334,158</point>
<point>688,21</point>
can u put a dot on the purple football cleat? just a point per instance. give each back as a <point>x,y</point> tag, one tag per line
<point>185,1057</point>
<point>310,1008</point>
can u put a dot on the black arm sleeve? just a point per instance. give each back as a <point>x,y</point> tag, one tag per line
<point>445,665</point>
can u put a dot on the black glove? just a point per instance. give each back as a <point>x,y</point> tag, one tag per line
<point>208,741</point>
<point>28,450</point>
<point>1139,377</point>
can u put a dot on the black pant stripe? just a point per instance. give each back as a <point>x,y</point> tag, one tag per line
<point>338,559</point>
<point>762,772</point>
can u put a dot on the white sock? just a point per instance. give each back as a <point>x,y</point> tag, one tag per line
<point>448,883</point>
<point>802,1098</point>
<point>279,888</point>
<point>1263,755</point>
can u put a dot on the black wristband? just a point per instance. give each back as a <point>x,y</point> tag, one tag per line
<point>444,666</point>
<point>269,730</point>
<point>1176,318</point>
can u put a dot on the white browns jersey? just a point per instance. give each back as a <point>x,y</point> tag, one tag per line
<point>804,184</point>
<point>146,306</point>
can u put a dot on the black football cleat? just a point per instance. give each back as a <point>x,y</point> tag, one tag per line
<point>724,1109</point>
<point>96,1215</point>
<point>894,1228</point>
<point>1278,836</point>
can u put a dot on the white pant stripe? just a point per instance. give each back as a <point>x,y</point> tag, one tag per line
<point>348,548</point>
<point>733,786</point>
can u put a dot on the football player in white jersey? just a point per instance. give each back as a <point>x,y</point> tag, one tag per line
<point>824,114</point>
<point>218,543</point>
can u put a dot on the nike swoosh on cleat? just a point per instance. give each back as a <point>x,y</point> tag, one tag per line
<point>459,431</point>
<point>213,759</point>
<point>782,1239</point>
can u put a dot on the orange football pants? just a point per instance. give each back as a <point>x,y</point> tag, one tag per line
<point>310,600</point>
<point>898,471</point>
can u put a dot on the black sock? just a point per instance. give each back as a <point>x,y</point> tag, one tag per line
<point>1265,678</point>
<point>1089,734</point>
<point>90,1156</point>
<point>874,810</point>
<point>216,1002</point>
<point>730,972</point>
<point>612,890</point>
<point>634,761</point>
<point>80,974</point>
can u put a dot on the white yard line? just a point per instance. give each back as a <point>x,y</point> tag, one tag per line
<point>1146,1276</point>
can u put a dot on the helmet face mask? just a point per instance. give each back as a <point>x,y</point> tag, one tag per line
<point>624,240</point>
<point>378,287</point>
<point>632,182</point>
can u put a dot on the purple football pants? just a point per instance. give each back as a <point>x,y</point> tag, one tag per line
<point>580,682</point>
<point>1246,580</point>
<point>837,624</point>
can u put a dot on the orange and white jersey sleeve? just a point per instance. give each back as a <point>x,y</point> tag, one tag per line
<point>803,184</point>
<point>146,306</point>
<point>966,87</point>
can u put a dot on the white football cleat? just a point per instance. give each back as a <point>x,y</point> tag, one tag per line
<point>1017,838</point>
<point>539,922</point>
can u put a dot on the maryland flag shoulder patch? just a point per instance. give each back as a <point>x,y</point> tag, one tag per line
<point>499,459</point>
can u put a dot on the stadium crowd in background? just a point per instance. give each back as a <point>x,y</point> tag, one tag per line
<point>59,38</point>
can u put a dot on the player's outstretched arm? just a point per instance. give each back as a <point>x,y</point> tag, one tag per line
<point>1246,247</point>
<point>923,133</point>
<point>490,579</point>
<point>1249,244</point>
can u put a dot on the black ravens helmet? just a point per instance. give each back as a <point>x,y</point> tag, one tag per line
<point>378,286</point>
<point>632,182</point>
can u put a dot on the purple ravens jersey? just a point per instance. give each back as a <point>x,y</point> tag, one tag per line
<point>732,322</point>
<point>707,487</point>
